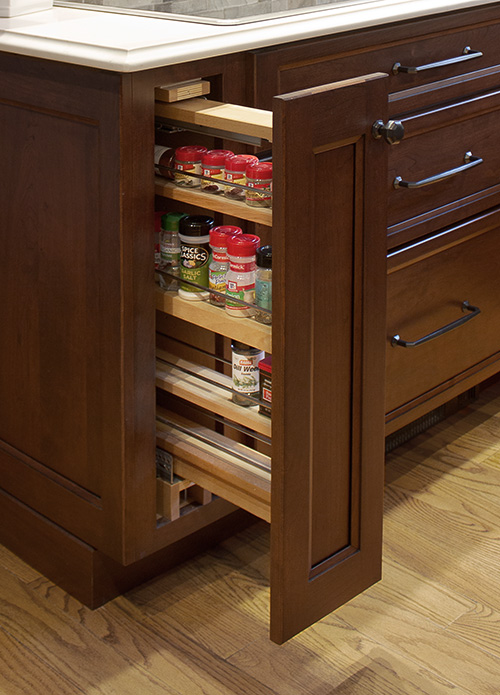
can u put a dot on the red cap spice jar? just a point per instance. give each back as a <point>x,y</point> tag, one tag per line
<point>266,385</point>
<point>236,167</point>
<point>260,179</point>
<point>240,279</point>
<point>188,160</point>
<point>164,161</point>
<point>213,164</point>
<point>219,263</point>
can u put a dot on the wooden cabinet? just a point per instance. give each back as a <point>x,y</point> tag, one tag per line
<point>78,419</point>
<point>326,457</point>
<point>442,170</point>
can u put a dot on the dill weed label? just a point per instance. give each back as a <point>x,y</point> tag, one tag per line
<point>245,372</point>
<point>194,236</point>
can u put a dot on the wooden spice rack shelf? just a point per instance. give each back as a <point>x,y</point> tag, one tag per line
<point>215,319</point>
<point>217,399</point>
<point>209,201</point>
<point>245,483</point>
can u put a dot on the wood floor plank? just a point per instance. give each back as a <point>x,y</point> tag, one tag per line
<point>446,537</point>
<point>155,646</point>
<point>331,657</point>
<point>23,673</point>
<point>220,601</point>
<point>481,626</point>
<point>424,643</point>
<point>402,586</point>
<point>69,648</point>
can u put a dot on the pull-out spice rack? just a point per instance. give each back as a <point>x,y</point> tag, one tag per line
<point>210,455</point>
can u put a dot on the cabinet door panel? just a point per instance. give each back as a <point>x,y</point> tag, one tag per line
<point>328,350</point>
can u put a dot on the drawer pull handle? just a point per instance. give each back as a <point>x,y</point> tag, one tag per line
<point>467,54</point>
<point>473,311</point>
<point>469,159</point>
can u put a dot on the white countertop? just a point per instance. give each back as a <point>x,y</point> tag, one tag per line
<point>127,43</point>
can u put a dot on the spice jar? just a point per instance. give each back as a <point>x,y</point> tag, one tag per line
<point>158,216</point>
<point>219,263</point>
<point>170,248</point>
<point>245,371</point>
<point>188,160</point>
<point>164,157</point>
<point>264,283</point>
<point>194,235</point>
<point>260,179</point>
<point>213,164</point>
<point>266,385</point>
<point>240,279</point>
<point>236,167</point>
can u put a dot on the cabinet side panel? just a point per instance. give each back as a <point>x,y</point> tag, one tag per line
<point>328,348</point>
<point>61,297</point>
<point>48,310</point>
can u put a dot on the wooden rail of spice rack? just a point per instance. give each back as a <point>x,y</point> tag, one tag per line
<point>224,467</point>
<point>215,319</point>
<point>240,120</point>
<point>213,461</point>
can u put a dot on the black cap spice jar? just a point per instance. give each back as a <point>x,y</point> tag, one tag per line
<point>194,236</point>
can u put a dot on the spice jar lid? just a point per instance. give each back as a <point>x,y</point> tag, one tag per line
<point>243,348</point>
<point>190,153</point>
<point>170,221</point>
<point>216,157</point>
<point>219,236</point>
<point>243,245</point>
<point>265,257</point>
<point>239,162</point>
<point>266,365</point>
<point>260,170</point>
<point>196,225</point>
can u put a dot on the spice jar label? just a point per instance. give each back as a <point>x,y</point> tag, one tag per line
<point>194,266</point>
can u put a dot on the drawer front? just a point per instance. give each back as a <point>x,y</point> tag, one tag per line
<point>426,286</point>
<point>313,63</point>
<point>436,143</point>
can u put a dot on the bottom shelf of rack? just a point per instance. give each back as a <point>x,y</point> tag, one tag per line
<point>216,463</point>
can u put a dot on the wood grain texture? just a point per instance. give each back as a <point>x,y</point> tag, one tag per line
<point>208,201</point>
<point>427,628</point>
<point>328,348</point>
<point>221,116</point>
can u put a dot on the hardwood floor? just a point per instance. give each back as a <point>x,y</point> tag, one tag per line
<point>430,627</point>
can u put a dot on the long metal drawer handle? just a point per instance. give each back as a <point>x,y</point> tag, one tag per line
<point>469,159</point>
<point>474,311</point>
<point>467,54</point>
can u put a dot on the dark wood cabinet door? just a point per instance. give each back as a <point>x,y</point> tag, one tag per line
<point>328,349</point>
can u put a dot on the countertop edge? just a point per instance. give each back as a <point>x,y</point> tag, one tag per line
<point>67,35</point>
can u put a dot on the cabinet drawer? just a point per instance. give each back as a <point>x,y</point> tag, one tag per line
<point>427,284</point>
<point>434,55</point>
<point>436,142</point>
